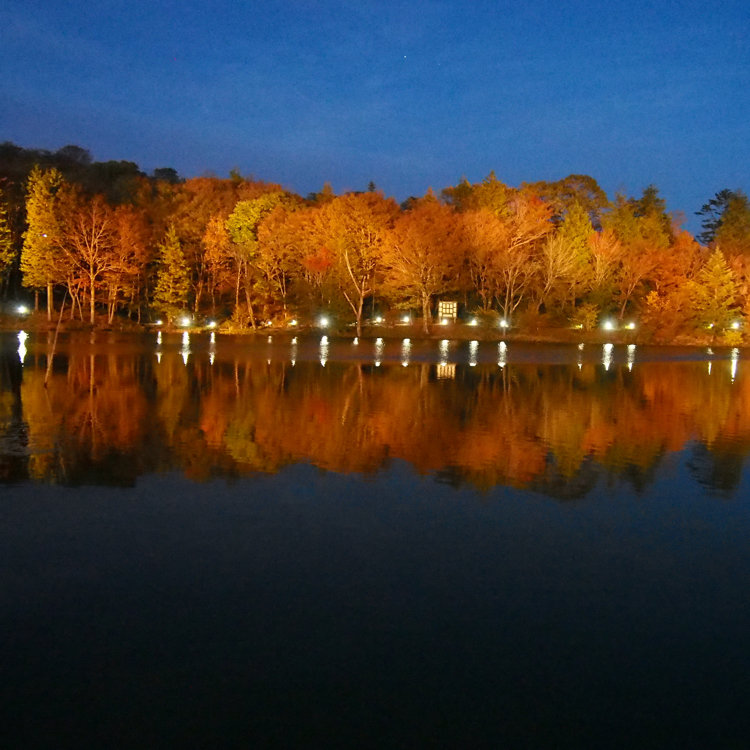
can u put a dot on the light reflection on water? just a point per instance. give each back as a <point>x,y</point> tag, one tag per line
<point>488,412</point>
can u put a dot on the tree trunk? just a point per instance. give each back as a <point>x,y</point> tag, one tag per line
<point>92,301</point>
<point>426,315</point>
<point>49,300</point>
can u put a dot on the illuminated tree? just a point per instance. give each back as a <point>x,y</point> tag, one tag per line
<point>216,257</point>
<point>355,227</point>
<point>39,261</point>
<point>423,254</point>
<point>126,278</point>
<point>173,280</point>
<point>88,240</point>
<point>715,293</point>
<point>7,251</point>
<point>565,260</point>
<point>242,226</point>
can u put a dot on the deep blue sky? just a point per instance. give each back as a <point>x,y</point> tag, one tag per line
<point>409,94</point>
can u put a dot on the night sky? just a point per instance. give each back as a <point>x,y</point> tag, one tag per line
<point>410,95</point>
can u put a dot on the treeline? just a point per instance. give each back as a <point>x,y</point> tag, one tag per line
<point>117,242</point>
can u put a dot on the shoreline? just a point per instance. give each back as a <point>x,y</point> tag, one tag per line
<point>453,331</point>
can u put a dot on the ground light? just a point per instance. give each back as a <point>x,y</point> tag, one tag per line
<point>608,325</point>
<point>22,310</point>
<point>504,323</point>
<point>323,322</point>
<point>736,325</point>
<point>185,321</point>
<point>406,319</point>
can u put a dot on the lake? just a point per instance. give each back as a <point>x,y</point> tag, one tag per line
<point>210,541</point>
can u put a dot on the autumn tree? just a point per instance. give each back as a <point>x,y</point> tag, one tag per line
<point>565,260</point>
<point>354,227</point>
<point>126,280</point>
<point>502,246</point>
<point>7,249</point>
<point>172,280</point>
<point>277,256</point>
<point>87,239</point>
<point>216,244</point>
<point>39,261</point>
<point>641,231</point>
<point>423,254</point>
<point>242,225</point>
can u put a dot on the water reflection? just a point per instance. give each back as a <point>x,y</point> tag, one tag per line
<point>22,336</point>
<point>502,354</point>
<point>631,357</point>
<point>405,352</point>
<point>379,347</point>
<point>110,414</point>
<point>444,347</point>
<point>185,351</point>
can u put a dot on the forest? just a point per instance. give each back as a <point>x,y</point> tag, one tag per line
<point>103,243</point>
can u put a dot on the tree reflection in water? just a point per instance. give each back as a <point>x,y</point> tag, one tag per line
<point>112,413</point>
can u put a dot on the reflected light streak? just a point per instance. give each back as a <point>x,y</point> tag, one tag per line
<point>212,338</point>
<point>444,344</point>
<point>211,358</point>
<point>607,355</point>
<point>631,356</point>
<point>405,352</point>
<point>473,348</point>
<point>379,346</point>
<point>323,350</point>
<point>158,338</point>
<point>185,347</point>
<point>502,354</point>
<point>355,342</point>
<point>158,357</point>
<point>735,355</point>
<point>294,351</point>
<point>22,336</point>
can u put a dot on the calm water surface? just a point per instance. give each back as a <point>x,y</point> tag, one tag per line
<point>282,543</point>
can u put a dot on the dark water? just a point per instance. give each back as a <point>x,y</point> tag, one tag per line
<point>276,544</point>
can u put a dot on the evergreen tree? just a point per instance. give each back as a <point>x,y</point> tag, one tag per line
<point>733,233</point>
<point>173,277</point>
<point>715,293</point>
<point>41,239</point>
